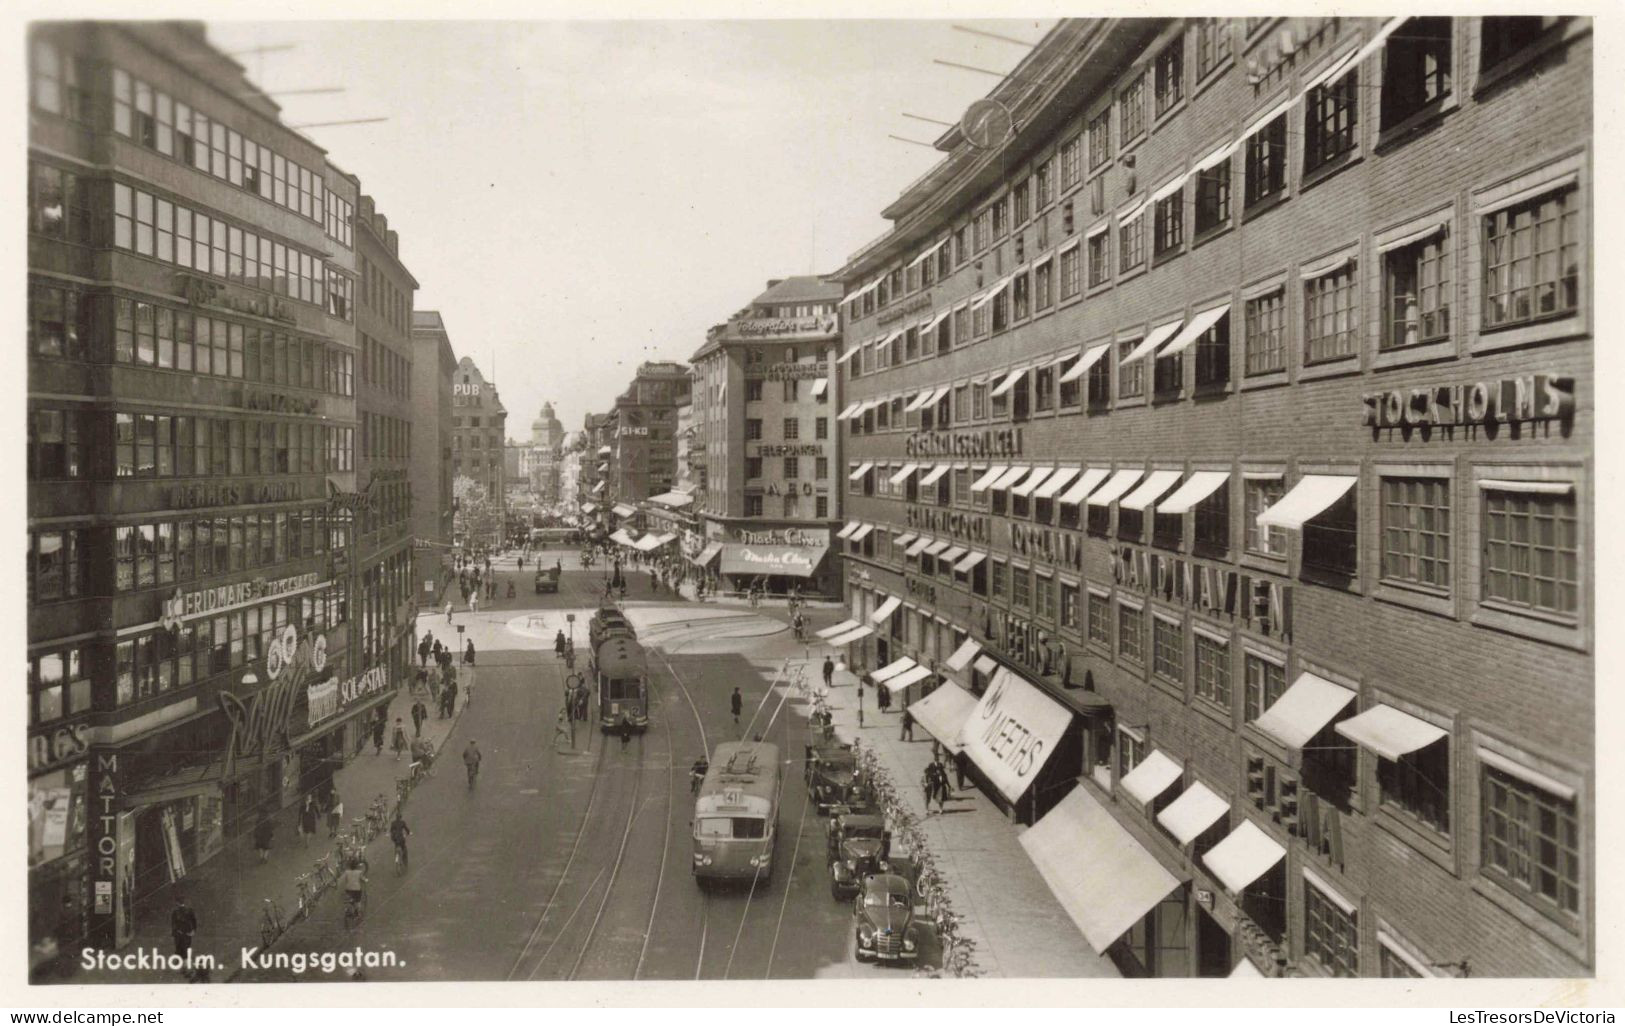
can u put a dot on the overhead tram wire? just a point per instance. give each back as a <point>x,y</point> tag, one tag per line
<point>993,35</point>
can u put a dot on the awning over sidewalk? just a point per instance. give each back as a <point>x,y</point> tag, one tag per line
<point>987,665</point>
<point>791,560</point>
<point>886,609</point>
<point>943,712</point>
<point>910,676</point>
<point>620,537</point>
<point>855,634</point>
<point>840,628</point>
<point>649,542</point>
<point>623,510</point>
<point>964,654</point>
<point>1100,874</point>
<point>892,669</point>
<point>1246,854</point>
<point>1307,706</point>
<point>1011,707</point>
<point>674,500</point>
<point>708,553</point>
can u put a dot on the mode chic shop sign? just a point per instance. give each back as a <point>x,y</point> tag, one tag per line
<point>1532,397</point>
<point>951,522</point>
<point>1258,603</point>
<point>985,443</point>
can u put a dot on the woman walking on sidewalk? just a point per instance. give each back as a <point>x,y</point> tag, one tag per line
<point>263,832</point>
<point>307,820</point>
<point>398,742</point>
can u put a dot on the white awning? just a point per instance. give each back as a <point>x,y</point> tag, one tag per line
<point>708,553</point>
<point>1150,489</point>
<point>1009,381</point>
<point>1112,490</point>
<point>862,470</point>
<point>1245,854</point>
<point>1527,774</point>
<point>820,385</point>
<point>892,669</point>
<point>604,450</point>
<point>904,539</point>
<point>1099,873</point>
<point>1090,358</point>
<point>939,395</point>
<point>966,565</point>
<point>1389,732</point>
<point>937,546</point>
<point>935,474</point>
<point>1056,482</point>
<point>1328,72</point>
<point>1306,707</point>
<point>886,609</point>
<point>1129,213</point>
<point>964,654</point>
<point>648,543</point>
<point>1154,338</point>
<point>599,486</point>
<point>1324,267</point>
<point>620,537</point>
<point>933,322</point>
<point>846,414</point>
<point>1196,488</point>
<point>1167,189</point>
<point>985,482</point>
<point>855,634</point>
<point>1433,226</point>
<point>851,525</point>
<point>1033,480</point>
<point>1308,499</point>
<point>1155,774</point>
<point>1217,157</point>
<point>986,665</point>
<point>911,676</point>
<point>943,714</point>
<point>588,507</point>
<point>1012,708</point>
<point>1198,327</point>
<point>902,475</point>
<point>849,354</point>
<point>952,554</point>
<point>840,628</point>
<point>1193,812</point>
<point>675,500</point>
<point>623,510</point>
<point>1270,115</point>
<point>861,533</point>
<point>919,545</point>
<point>1010,477</point>
<point>1084,485</point>
<point>918,401</point>
<point>603,467</point>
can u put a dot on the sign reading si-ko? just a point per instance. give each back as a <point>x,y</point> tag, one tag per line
<point>1534,397</point>
<point>986,443</point>
<point>1012,731</point>
<point>1258,603</point>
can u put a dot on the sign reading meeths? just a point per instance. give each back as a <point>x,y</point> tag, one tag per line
<point>1012,731</point>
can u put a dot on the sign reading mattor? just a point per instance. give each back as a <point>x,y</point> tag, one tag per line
<point>1013,729</point>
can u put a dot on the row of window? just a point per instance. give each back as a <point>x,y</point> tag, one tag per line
<point>790,467</point>
<point>790,429</point>
<point>384,437</point>
<point>790,391</point>
<point>378,291</point>
<point>385,368</point>
<point>791,505</point>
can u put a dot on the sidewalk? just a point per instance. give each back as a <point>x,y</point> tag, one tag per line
<point>228,892</point>
<point>1003,902</point>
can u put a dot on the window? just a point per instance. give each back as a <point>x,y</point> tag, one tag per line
<point>1043,378</point>
<point>1330,314</point>
<point>1020,587</point>
<point>792,429</point>
<point>58,562</point>
<point>1072,162</point>
<point>1416,284</point>
<point>1130,642</point>
<point>1170,75</point>
<point>1416,530</point>
<point>1212,44</point>
<point>792,390</point>
<point>1391,965</point>
<point>1130,375</point>
<point>1070,613</point>
<point>1266,162</point>
<point>1419,784</point>
<point>1100,615</point>
<point>1170,223</point>
<point>1020,298</point>
<point>1330,540</point>
<point>1131,105</point>
<point>1266,333</point>
<point>997,587</point>
<point>1168,649</point>
<point>1531,260</point>
<point>1415,68</point>
<point>1044,285</point>
<point>1100,139</point>
<point>1213,354</point>
<point>1044,596</point>
<point>1213,670</point>
<point>1213,197</point>
<point>1501,37</point>
<point>1130,752</point>
<point>1168,374</point>
<point>1213,521</point>
<point>1531,558</point>
<point>1330,115</point>
<point>753,505</point>
<point>1531,839</point>
<point>753,390</point>
<point>1071,272</point>
<point>821,507</point>
<point>1100,258</point>
<point>1131,243</point>
<point>1266,680</point>
<point>792,468</point>
<point>1330,935</point>
<point>753,429</point>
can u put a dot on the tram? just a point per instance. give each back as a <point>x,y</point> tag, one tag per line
<point>621,673</point>
<point>736,814</point>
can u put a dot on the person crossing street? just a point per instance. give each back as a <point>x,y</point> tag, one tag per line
<point>471,760</point>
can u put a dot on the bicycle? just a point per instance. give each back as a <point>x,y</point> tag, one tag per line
<point>271,922</point>
<point>400,858</point>
<point>354,909</point>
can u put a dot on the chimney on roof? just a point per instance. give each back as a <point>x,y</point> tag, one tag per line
<point>393,241</point>
<point>364,207</point>
<point>380,225</point>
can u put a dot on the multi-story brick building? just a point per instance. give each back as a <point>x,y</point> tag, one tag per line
<point>765,439</point>
<point>434,367</point>
<point>644,457</point>
<point>192,413</point>
<point>1238,405</point>
<point>479,425</point>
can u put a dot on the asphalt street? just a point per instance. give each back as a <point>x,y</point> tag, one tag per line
<point>565,863</point>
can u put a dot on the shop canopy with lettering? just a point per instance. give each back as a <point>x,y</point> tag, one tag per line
<point>862,470</point>
<point>855,634</point>
<point>909,677</point>
<point>1199,326</point>
<point>1104,878</point>
<point>902,475</point>
<point>987,665</point>
<point>862,532</point>
<point>1084,485</point>
<point>1196,488</point>
<point>985,482</point>
<point>1036,478</point>
<point>708,553</point>
<point>966,565</point>
<point>1309,498</point>
<point>1155,774</point>
<point>1245,854</point>
<point>1150,489</point>
<point>1090,357</point>
<point>943,712</point>
<point>676,500</point>
<point>840,628</point>
<point>851,525</point>
<point>1112,490</point>
<point>887,608</point>
<point>1389,732</point>
<point>1010,477</point>
<point>789,560</point>
<point>1013,731</point>
<point>1303,710</point>
<point>1193,812</point>
<point>1009,381</point>
<point>1152,340</point>
<point>892,669</point>
<point>919,545</point>
<point>1056,482</point>
<point>936,474</point>
<point>963,655</point>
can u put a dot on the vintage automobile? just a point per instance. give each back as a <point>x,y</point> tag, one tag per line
<point>547,579</point>
<point>883,924</point>
<point>833,777</point>
<point>858,845</point>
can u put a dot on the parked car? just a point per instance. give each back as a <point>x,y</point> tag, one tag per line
<point>833,777</point>
<point>858,843</point>
<point>883,925</point>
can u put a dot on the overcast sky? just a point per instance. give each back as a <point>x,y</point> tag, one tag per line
<point>577,197</point>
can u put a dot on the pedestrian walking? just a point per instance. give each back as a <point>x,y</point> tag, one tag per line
<point>471,760</point>
<point>335,815</point>
<point>558,644</point>
<point>398,740</point>
<point>468,653</point>
<point>264,830</point>
<point>182,925</point>
<point>736,702</point>
<point>625,729</point>
<point>474,602</point>
<point>419,713</point>
<point>860,697</point>
<point>941,777</point>
<point>829,671</point>
<point>928,783</point>
<point>423,651</point>
<point>960,760</point>
<point>307,820</point>
<point>907,731</point>
<point>378,733</point>
<point>451,697</point>
<point>448,610</point>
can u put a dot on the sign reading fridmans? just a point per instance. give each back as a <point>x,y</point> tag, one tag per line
<point>185,605</point>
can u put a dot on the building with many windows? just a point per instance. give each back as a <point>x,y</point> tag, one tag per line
<point>192,420</point>
<point>1226,430</point>
<point>479,426</point>
<point>434,367</point>
<point>765,445</point>
<point>644,457</point>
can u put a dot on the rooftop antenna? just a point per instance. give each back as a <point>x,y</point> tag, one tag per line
<point>993,35</point>
<point>971,67</point>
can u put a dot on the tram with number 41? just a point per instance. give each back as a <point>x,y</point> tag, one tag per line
<point>736,814</point>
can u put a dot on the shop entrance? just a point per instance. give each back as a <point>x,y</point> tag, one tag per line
<point>1212,947</point>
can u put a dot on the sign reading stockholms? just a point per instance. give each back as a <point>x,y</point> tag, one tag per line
<point>1012,731</point>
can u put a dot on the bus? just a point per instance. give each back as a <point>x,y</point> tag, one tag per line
<point>736,814</point>
<point>555,537</point>
<point>621,672</point>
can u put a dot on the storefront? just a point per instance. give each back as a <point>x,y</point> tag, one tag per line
<point>58,815</point>
<point>1024,743</point>
<point>782,560</point>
